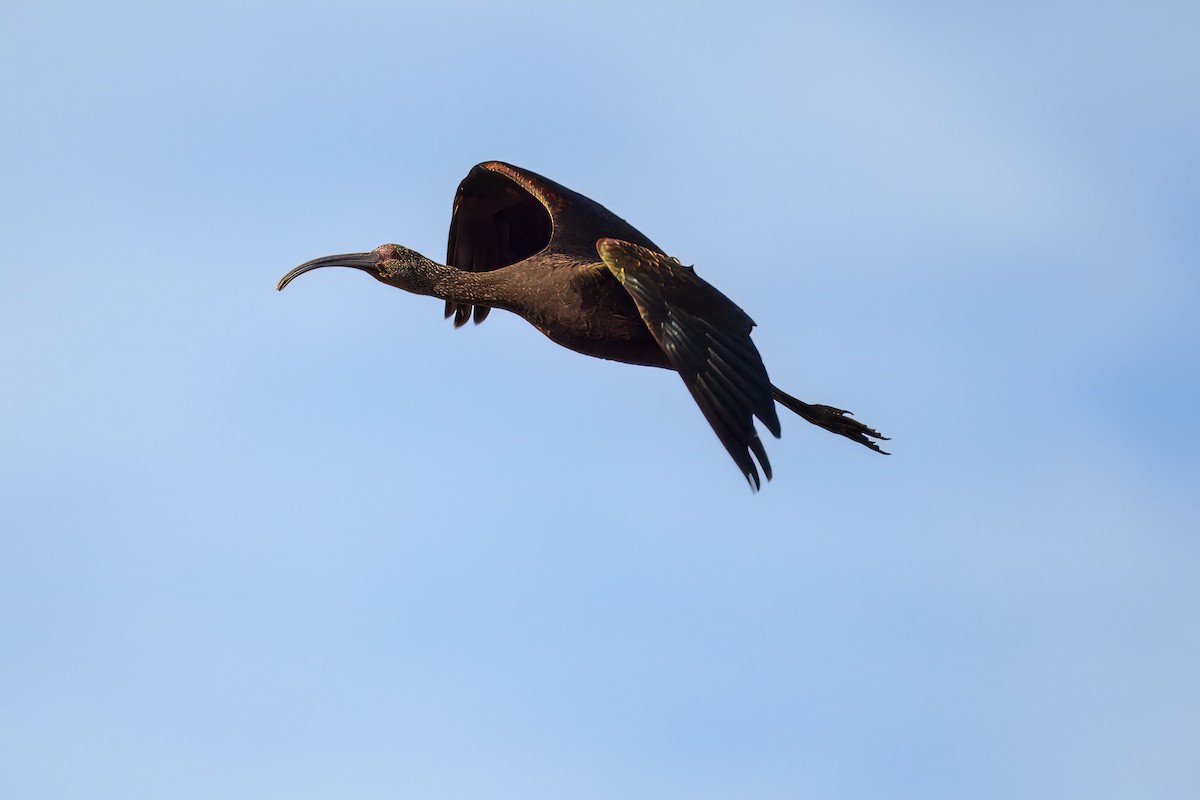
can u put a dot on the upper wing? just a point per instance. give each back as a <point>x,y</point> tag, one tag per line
<point>707,339</point>
<point>504,214</point>
<point>496,222</point>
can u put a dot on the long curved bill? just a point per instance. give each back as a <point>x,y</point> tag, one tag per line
<point>363,261</point>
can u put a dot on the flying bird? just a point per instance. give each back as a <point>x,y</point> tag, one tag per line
<point>591,282</point>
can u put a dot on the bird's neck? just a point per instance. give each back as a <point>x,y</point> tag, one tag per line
<point>420,275</point>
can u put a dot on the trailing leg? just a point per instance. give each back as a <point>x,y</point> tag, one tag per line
<point>831,419</point>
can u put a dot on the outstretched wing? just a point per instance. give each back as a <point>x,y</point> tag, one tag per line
<point>707,340</point>
<point>496,222</point>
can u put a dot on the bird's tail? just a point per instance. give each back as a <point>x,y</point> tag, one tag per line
<point>831,419</point>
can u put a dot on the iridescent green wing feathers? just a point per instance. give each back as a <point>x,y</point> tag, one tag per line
<point>706,337</point>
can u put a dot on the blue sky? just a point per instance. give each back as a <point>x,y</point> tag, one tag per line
<point>319,544</point>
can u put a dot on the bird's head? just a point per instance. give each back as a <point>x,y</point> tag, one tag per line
<point>388,263</point>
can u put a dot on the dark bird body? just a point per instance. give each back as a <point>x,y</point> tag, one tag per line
<point>593,283</point>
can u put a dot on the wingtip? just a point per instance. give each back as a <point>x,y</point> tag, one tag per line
<point>462,315</point>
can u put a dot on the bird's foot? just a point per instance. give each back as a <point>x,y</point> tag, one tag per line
<point>838,421</point>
